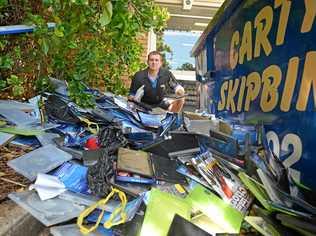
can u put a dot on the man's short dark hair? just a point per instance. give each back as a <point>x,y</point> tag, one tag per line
<point>154,53</point>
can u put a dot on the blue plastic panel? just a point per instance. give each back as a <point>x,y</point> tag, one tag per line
<point>274,80</point>
<point>19,29</point>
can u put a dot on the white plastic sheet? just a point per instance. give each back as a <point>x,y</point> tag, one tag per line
<point>48,186</point>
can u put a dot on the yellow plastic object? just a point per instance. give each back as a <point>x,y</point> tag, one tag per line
<point>92,126</point>
<point>180,189</point>
<point>108,224</point>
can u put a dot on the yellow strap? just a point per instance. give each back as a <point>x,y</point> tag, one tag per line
<point>107,224</point>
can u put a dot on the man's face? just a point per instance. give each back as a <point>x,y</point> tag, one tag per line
<point>154,62</point>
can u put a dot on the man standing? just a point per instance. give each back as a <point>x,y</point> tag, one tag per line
<point>152,84</point>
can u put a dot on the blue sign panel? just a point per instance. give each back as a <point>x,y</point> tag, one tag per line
<point>265,71</point>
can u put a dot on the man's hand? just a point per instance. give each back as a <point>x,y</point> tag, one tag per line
<point>177,105</point>
<point>179,91</point>
<point>131,98</point>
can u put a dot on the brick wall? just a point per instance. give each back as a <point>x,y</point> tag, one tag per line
<point>143,39</point>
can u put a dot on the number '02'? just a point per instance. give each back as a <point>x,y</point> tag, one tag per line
<point>287,141</point>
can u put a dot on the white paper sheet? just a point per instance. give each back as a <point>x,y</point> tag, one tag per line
<point>48,186</point>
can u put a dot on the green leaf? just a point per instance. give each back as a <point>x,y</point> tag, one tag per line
<point>17,90</point>
<point>14,80</point>
<point>59,32</point>
<point>47,2</point>
<point>3,3</point>
<point>72,44</point>
<point>17,51</point>
<point>119,26</point>
<point>3,43</point>
<point>3,84</point>
<point>44,46</point>
<point>6,62</point>
<point>106,14</point>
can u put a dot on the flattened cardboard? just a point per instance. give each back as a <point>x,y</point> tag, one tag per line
<point>201,126</point>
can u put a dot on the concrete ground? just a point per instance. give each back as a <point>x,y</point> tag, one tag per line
<point>15,221</point>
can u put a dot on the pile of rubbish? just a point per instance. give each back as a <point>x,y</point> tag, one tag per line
<point>123,168</point>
